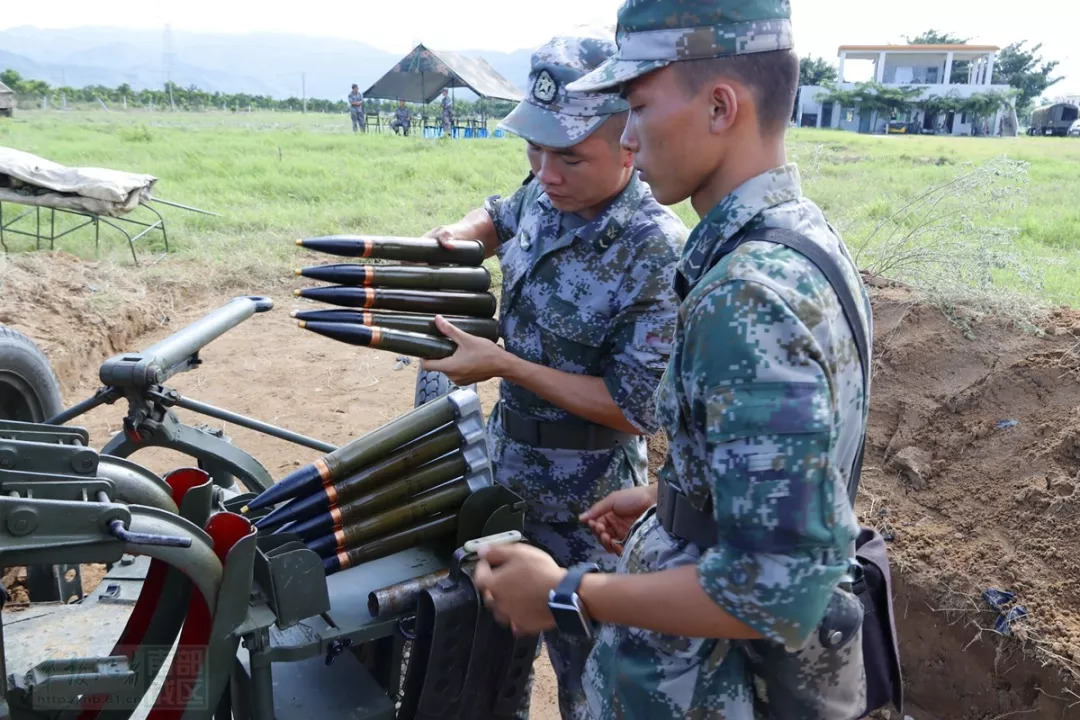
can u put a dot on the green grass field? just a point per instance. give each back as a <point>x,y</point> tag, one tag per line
<point>275,177</point>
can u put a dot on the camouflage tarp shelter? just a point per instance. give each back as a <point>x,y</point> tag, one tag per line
<point>422,74</point>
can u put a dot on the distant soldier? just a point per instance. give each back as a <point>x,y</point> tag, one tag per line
<point>356,108</point>
<point>447,112</point>
<point>402,118</point>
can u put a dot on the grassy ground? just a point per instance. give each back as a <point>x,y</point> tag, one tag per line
<point>275,177</point>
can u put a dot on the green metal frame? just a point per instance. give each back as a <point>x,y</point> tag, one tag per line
<point>62,503</point>
<point>117,223</point>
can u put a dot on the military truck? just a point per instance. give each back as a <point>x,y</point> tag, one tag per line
<point>1053,119</point>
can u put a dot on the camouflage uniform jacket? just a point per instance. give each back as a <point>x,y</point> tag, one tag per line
<point>403,115</point>
<point>593,299</point>
<point>763,405</point>
<point>356,97</point>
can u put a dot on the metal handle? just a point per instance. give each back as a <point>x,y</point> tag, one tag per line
<point>162,360</point>
<point>187,341</point>
<point>262,303</point>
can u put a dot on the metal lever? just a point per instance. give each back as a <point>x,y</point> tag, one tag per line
<point>121,533</point>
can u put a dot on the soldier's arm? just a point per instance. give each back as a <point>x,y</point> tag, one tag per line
<point>583,395</point>
<point>493,224</point>
<point>477,359</point>
<point>761,395</point>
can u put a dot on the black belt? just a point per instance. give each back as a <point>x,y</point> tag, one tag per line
<point>683,520</point>
<point>567,435</point>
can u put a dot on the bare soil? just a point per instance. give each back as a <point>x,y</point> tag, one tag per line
<point>972,466</point>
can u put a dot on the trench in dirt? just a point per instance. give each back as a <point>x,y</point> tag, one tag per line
<point>969,506</point>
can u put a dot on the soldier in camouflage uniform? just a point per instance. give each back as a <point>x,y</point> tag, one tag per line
<point>587,314</point>
<point>447,113</point>
<point>356,108</point>
<point>402,118</point>
<point>732,597</point>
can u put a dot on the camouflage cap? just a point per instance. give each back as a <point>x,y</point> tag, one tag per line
<point>551,115</point>
<point>655,33</point>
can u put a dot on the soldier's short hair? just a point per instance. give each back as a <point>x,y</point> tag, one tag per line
<point>612,128</point>
<point>772,78</point>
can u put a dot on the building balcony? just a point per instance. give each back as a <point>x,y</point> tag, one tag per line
<point>949,65</point>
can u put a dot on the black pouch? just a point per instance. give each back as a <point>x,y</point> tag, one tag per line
<point>881,651</point>
<point>821,681</point>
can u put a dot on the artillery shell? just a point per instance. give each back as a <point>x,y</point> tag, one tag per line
<point>424,323</point>
<point>427,250</point>
<point>424,301</point>
<point>444,499</point>
<point>432,529</point>
<point>411,455</point>
<point>337,516</point>
<point>359,453</point>
<point>412,277</point>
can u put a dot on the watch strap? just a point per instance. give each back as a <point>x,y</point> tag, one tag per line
<point>564,591</point>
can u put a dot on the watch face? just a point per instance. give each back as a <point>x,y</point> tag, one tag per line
<point>569,620</point>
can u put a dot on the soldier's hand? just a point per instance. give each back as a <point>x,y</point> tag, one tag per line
<point>515,581</point>
<point>475,360</point>
<point>611,518</point>
<point>444,234</point>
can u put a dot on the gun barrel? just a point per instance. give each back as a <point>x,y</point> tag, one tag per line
<point>431,529</point>
<point>424,301</point>
<point>161,360</point>
<point>426,250</point>
<point>444,499</point>
<point>474,279</point>
<point>423,323</point>
<point>399,341</point>
<point>401,598</point>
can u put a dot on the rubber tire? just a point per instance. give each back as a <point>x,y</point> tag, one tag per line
<point>431,384</point>
<point>29,390</point>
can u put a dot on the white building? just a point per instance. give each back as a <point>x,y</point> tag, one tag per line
<point>929,67</point>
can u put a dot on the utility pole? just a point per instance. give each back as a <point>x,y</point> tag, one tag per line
<point>303,89</point>
<point>168,62</point>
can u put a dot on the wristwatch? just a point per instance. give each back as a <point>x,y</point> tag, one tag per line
<point>566,606</point>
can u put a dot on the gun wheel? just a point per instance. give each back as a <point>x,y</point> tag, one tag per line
<point>29,390</point>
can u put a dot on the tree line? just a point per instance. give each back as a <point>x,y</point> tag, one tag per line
<point>191,98</point>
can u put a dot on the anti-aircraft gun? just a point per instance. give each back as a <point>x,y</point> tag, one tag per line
<point>210,607</point>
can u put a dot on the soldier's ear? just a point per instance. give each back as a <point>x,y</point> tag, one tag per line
<point>723,107</point>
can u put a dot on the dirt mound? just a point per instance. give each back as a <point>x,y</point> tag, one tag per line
<point>77,312</point>
<point>972,470</point>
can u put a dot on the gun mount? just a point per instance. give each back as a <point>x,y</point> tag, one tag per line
<point>203,615</point>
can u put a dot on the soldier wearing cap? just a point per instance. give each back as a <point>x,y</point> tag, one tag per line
<point>402,118</point>
<point>447,113</point>
<point>587,314</point>
<point>732,597</point>
<point>356,108</point>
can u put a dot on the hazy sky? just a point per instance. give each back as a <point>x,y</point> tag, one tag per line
<point>820,25</point>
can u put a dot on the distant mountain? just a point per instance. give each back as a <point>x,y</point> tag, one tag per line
<point>258,63</point>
